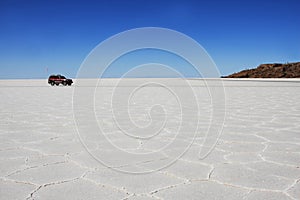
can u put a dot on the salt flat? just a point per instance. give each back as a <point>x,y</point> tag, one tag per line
<point>50,148</point>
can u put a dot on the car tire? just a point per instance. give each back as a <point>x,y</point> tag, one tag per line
<point>64,83</point>
<point>52,83</point>
<point>57,84</point>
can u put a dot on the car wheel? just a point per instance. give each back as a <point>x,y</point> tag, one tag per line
<point>52,83</point>
<point>69,84</point>
<point>57,84</point>
<point>64,83</point>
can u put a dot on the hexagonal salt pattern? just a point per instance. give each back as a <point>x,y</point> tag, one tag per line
<point>257,156</point>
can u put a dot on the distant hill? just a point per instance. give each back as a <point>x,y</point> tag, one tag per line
<point>276,70</point>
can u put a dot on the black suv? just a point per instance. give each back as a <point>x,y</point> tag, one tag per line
<point>59,79</point>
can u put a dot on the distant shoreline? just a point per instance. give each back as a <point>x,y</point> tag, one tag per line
<point>206,79</point>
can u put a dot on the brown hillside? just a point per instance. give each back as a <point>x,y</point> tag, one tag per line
<point>276,70</point>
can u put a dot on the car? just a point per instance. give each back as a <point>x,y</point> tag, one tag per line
<point>59,79</point>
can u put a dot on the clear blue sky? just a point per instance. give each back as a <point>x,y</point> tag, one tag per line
<point>59,34</point>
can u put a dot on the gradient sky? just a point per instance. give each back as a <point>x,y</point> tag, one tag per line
<point>58,35</point>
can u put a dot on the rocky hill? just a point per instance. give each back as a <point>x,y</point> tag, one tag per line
<point>276,70</point>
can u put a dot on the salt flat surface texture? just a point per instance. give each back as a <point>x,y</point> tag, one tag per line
<point>44,155</point>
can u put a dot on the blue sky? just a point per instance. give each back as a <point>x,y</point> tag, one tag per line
<point>60,34</point>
